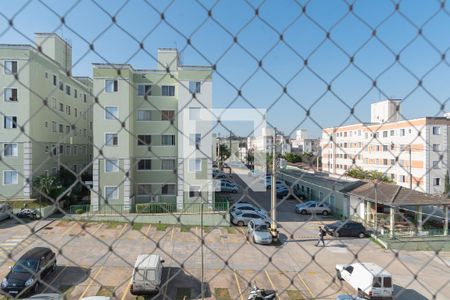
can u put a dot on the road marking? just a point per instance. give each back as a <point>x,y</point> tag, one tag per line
<point>90,283</point>
<point>69,229</point>
<point>123,229</point>
<point>148,229</point>
<point>127,288</point>
<point>97,229</point>
<point>238,285</point>
<point>307,287</point>
<point>168,272</point>
<point>270,280</point>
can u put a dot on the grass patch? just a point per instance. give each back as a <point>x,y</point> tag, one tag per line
<point>30,204</point>
<point>185,228</point>
<point>183,294</point>
<point>207,229</point>
<point>222,294</point>
<point>231,230</point>
<point>112,224</point>
<point>295,295</point>
<point>106,291</point>
<point>161,227</point>
<point>137,226</point>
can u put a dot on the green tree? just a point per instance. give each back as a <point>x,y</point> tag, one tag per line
<point>47,186</point>
<point>292,157</point>
<point>224,152</point>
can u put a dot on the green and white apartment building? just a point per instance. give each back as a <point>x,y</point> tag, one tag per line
<point>152,139</point>
<point>45,115</point>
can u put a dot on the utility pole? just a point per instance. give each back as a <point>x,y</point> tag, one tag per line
<point>410,168</point>
<point>273,227</point>
<point>219,159</point>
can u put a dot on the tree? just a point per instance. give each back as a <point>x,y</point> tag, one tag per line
<point>224,152</point>
<point>292,157</point>
<point>359,173</point>
<point>47,186</point>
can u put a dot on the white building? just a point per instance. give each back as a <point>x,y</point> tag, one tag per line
<point>264,142</point>
<point>303,144</point>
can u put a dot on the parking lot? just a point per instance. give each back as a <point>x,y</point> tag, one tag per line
<point>97,259</point>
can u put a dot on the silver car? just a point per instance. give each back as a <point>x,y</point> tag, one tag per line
<point>259,232</point>
<point>241,218</point>
<point>248,207</point>
<point>49,296</point>
<point>5,212</point>
<point>312,207</point>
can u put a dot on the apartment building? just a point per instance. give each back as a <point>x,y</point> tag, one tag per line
<point>410,152</point>
<point>303,144</point>
<point>46,121</point>
<point>263,141</point>
<point>152,136</point>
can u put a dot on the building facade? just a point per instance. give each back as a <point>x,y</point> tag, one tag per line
<point>46,120</point>
<point>152,135</point>
<point>264,142</point>
<point>413,153</point>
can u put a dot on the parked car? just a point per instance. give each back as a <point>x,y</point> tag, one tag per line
<point>49,296</point>
<point>258,230</point>
<point>248,207</point>
<point>5,212</point>
<point>295,194</point>
<point>347,228</point>
<point>146,276</point>
<point>312,207</point>
<point>347,297</point>
<point>226,187</point>
<point>23,276</point>
<point>368,279</point>
<point>241,218</point>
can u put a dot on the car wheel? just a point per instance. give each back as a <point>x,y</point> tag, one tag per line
<point>325,213</point>
<point>303,212</point>
<point>338,275</point>
<point>240,223</point>
<point>361,235</point>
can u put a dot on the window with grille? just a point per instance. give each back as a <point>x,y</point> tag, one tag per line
<point>167,115</point>
<point>144,140</point>
<point>144,164</point>
<point>168,140</point>
<point>168,90</point>
<point>168,164</point>
<point>144,115</point>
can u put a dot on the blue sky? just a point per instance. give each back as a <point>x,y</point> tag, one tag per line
<point>283,62</point>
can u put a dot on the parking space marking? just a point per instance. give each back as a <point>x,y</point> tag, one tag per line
<point>238,285</point>
<point>98,228</point>
<point>123,229</point>
<point>171,255</point>
<point>307,287</point>
<point>70,228</point>
<point>148,229</point>
<point>270,280</point>
<point>127,288</point>
<point>92,281</point>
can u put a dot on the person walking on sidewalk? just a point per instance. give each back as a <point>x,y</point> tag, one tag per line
<point>322,233</point>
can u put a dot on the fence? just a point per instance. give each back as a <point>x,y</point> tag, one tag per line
<point>112,101</point>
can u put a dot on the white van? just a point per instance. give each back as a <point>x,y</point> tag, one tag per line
<point>147,273</point>
<point>369,279</point>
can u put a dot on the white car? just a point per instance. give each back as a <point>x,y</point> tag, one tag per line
<point>248,207</point>
<point>368,279</point>
<point>241,218</point>
<point>258,231</point>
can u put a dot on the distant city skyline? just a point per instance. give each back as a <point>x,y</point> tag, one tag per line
<point>305,81</point>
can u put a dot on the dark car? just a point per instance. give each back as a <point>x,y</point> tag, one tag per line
<point>296,194</point>
<point>348,228</point>
<point>25,275</point>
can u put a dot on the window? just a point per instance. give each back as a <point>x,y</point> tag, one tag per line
<point>54,103</point>
<point>385,134</point>
<point>436,181</point>
<point>10,177</point>
<point>144,90</point>
<point>385,147</point>
<point>111,139</point>
<point>385,161</point>
<point>9,122</point>
<point>84,98</point>
<point>61,107</point>
<point>436,147</point>
<point>436,130</point>
<point>194,191</point>
<point>10,67</point>
<point>55,80</point>
<point>392,132</point>
<point>75,112</point>
<point>111,86</point>
<point>111,165</point>
<point>111,193</point>
<point>61,149</point>
<point>61,86</point>
<point>167,115</point>
<point>144,115</point>
<point>168,140</point>
<point>144,164</point>
<point>68,150</point>
<point>402,178</point>
<point>53,126</point>
<point>194,113</point>
<point>144,189</point>
<point>68,110</point>
<point>61,128</point>
<point>10,95</point>
<point>168,90</point>
<point>54,171</point>
<point>195,165</point>
<point>68,90</point>
<point>168,164</point>
<point>195,139</point>
<point>402,132</point>
<point>111,112</point>
<point>10,150</point>
<point>194,87</point>
<point>75,150</point>
<point>168,189</point>
<point>144,140</point>
<point>75,93</point>
<point>46,124</point>
<point>435,164</point>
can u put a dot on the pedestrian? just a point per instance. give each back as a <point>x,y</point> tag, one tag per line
<point>322,233</point>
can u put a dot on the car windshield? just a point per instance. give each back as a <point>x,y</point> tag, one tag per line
<point>262,228</point>
<point>25,266</point>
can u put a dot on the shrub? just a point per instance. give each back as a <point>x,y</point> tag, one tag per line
<point>79,211</point>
